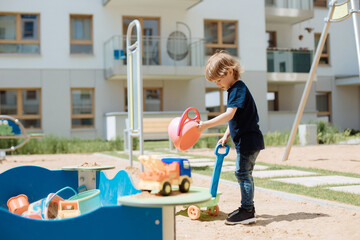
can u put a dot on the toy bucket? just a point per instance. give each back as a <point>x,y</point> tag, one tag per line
<point>18,204</point>
<point>88,200</point>
<point>46,208</point>
<point>184,131</point>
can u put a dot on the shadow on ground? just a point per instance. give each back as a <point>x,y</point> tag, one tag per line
<point>265,219</point>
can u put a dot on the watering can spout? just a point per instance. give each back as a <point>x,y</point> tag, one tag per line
<point>183,131</point>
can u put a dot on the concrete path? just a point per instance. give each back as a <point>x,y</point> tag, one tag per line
<point>320,180</point>
<point>291,176</point>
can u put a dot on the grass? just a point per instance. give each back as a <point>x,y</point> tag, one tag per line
<point>319,192</point>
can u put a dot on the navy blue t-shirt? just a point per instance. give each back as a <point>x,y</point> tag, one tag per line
<point>244,127</point>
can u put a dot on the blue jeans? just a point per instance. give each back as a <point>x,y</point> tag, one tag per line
<point>244,166</point>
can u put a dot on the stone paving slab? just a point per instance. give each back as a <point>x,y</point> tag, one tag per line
<point>351,189</point>
<point>232,168</point>
<point>194,160</point>
<point>320,180</point>
<point>280,173</point>
<point>210,164</point>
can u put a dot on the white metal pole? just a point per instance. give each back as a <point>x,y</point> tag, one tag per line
<point>308,83</point>
<point>356,29</point>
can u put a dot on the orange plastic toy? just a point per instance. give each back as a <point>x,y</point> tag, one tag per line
<point>162,175</point>
<point>184,131</point>
<point>68,209</point>
<point>18,204</point>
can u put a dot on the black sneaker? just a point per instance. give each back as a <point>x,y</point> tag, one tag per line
<point>241,216</point>
<point>236,210</point>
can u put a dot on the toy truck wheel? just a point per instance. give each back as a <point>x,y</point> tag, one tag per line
<point>193,212</point>
<point>166,189</point>
<point>184,186</point>
<point>213,211</point>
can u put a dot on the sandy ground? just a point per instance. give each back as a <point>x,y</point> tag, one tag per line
<point>277,217</point>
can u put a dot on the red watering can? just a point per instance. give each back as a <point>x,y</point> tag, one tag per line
<point>184,131</point>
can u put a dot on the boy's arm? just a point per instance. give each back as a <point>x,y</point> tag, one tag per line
<point>225,138</point>
<point>221,119</point>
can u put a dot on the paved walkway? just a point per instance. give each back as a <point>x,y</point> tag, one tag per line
<point>293,176</point>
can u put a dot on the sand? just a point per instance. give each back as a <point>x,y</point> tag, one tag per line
<point>277,217</point>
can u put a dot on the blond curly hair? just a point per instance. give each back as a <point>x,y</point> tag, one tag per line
<point>218,65</point>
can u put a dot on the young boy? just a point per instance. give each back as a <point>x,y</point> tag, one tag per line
<point>241,113</point>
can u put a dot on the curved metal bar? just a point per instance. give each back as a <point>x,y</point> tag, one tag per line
<point>23,131</point>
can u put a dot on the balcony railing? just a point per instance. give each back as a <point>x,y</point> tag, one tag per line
<point>302,4</point>
<point>156,51</point>
<point>289,61</point>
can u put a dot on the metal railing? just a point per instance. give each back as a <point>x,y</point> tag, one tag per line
<point>296,4</point>
<point>156,51</point>
<point>291,61</point>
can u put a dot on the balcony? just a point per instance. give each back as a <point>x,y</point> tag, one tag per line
<point>176,4</point>
<point>172,58</point>
<point>288,65</point>
<point>288,11</point>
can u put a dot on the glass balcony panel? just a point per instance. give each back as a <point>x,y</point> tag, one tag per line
<point>302,4</point>
<point>290,61</point>
<point>172,51</point>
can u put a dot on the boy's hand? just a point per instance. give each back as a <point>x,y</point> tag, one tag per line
<point>222,141</point>
<point>201,126</point>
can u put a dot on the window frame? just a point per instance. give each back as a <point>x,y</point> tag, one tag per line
<point>220,44</point>
<point>18,36</point>
<point>19,106</point>
<point>222,106</point>
<point>144,89</point>
<point>82,42</point>
<point>320,3</point>
<point>276,101</point>
<point>81,116</point>
<point>161,97</point>
<point>327,44</point>
<point>274,36</point>
<point>327,113</point>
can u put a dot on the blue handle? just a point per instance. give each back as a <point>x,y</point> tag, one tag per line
<point>217,169</point>
<point>48,201</point>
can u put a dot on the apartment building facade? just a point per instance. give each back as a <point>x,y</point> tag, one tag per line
<point>63,64</point>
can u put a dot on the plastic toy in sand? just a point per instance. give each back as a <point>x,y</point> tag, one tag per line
<point>164,173</point>
<point>18,204</point>
<point>68,209</point>
<point>211,205</point>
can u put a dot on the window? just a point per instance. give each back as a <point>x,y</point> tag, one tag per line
<point>320,3</point>
<point>151,32</point>
<point>81,35</point>
<point>273,101</point>
<point>215,101</point>
<point>271,39</point>
<point>220,35</point>
<point>323,106</point>
<point>152,99</point>
<point>82,108</point>
<point>19,33</point>
<point>23,104</point>
<point>325,55</point>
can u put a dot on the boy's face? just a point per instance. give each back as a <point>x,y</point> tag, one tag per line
<point>227,81</point>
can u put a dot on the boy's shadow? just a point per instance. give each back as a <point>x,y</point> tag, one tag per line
<point>262,220</point>
<point>265,219</point>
